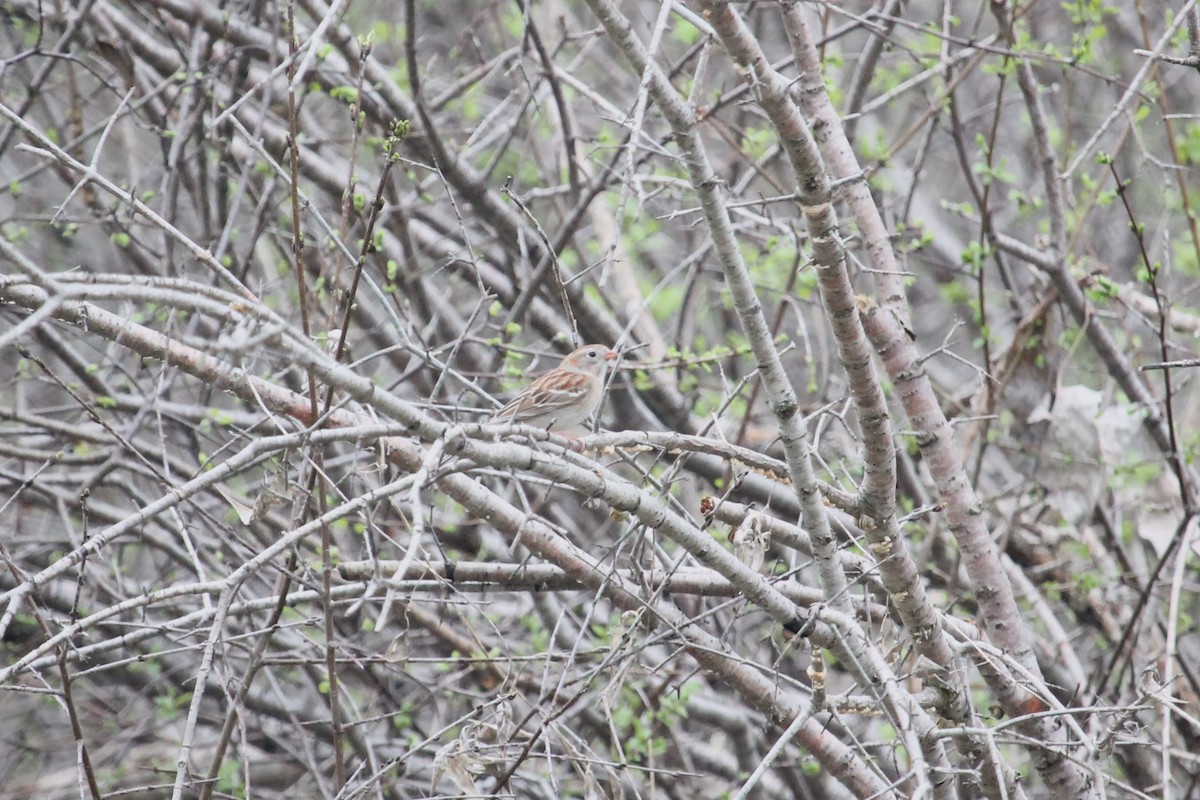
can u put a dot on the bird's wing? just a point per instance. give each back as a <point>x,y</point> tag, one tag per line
<point>547,394</point>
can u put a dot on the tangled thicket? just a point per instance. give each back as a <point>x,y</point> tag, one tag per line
<point>880,504</point>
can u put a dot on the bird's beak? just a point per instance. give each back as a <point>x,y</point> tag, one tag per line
<point>611,354</point>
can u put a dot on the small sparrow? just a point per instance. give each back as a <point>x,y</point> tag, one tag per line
<point>564,397</point>
<point>751,540</point>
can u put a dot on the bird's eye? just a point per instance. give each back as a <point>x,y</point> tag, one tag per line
<point>591,353</point>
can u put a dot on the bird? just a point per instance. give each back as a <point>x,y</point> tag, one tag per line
<point>564,397</point>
